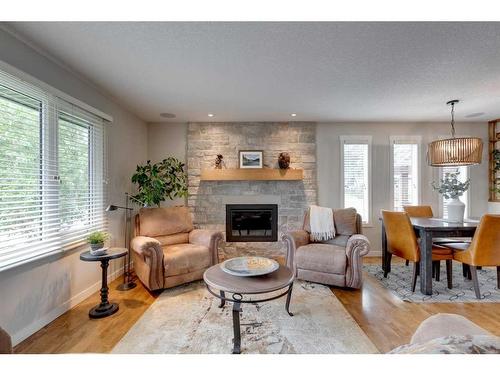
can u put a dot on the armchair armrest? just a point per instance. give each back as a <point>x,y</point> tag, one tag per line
<point>148,252</point>
<point>208,238</point>
<point>293,241</point>
<point>357,247</point>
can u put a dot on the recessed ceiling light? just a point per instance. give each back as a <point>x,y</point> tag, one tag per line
<point>167,115</point>
<point>211,115</point>
<point>293,114</point>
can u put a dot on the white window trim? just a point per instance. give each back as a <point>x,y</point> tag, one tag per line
<point>363,139</point>
<point>53,98</point>
<point>405,139</point>
<point>30,80</point>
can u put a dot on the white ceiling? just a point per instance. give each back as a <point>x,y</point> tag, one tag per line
<point>265,71</point>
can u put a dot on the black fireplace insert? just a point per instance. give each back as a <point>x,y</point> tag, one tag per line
<point>252,222</point>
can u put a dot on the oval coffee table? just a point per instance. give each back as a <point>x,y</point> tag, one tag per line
<point>219,283</point>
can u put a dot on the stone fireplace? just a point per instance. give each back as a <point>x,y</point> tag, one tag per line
<point>207,200</point>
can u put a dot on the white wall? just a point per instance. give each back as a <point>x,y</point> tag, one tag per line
<point>164,140</point>
<point>32,295</point>
<point>328,161</point>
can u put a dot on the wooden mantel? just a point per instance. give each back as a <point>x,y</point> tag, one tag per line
<point>263,174</point>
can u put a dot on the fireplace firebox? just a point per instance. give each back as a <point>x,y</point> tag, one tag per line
<point>251,223</point>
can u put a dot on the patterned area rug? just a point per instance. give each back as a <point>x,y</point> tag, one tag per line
<point>187,319</point>
<point>398,281</point>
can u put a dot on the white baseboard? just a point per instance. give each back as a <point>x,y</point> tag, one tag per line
<point>374,253</point>
<point>61,309</point>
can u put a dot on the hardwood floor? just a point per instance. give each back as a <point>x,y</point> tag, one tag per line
<point>75,332</point>
<point>388,321</point>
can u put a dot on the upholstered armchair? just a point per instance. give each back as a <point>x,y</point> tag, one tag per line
<point>168,251</point>
<point>334,262</point>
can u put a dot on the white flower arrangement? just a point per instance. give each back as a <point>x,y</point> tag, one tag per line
<point>450,187</point>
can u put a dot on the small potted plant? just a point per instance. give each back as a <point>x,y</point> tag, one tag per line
<point>96,241</point>
<point>451,188</point>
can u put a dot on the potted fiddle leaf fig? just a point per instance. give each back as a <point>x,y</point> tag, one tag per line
<point>159,182</point>
<point>452,188</point>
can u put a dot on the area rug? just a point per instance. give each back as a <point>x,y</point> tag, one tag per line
<point>398,281</point>
<point>187,319</point>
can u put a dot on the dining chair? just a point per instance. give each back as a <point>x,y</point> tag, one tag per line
<point>483,251</point>
<point>419,211</point>
<point>402,242</point>
<point>425,211</point>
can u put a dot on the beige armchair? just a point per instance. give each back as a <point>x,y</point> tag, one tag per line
<point>168,251</point>
<point>334,262</point>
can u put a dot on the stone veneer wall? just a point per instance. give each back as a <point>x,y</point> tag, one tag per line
<point>207,199</point>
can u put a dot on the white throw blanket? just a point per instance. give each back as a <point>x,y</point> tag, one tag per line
<point>321,221</point>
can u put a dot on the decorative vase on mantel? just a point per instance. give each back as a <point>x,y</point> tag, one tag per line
<point>456,210</point>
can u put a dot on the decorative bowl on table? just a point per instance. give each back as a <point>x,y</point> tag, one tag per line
<point>249,266</point>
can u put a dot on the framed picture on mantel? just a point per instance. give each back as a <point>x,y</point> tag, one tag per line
<point>251,159</point>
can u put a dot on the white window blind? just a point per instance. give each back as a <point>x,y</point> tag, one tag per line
<point>464,175</point>
<point>356,174</point>
<point>405,172</point>
<point>52,173</point>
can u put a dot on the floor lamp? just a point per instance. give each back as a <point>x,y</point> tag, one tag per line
<point>128,281</point>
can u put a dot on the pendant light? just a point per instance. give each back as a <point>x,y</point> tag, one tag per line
<point>455,151</point>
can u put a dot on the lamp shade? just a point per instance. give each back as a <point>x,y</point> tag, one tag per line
<point>455,152</point>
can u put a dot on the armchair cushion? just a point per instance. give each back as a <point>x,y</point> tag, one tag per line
<point>173,239</point>
<point>345,221</point>
<point>339,240</point>
<point>185,258</point>
<point>164,221</point>
<point>322,258</point>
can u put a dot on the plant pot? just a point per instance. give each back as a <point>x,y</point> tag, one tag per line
<point>456,210</point>
<point>96,248</point>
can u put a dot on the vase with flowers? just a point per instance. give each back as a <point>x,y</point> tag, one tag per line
<point>451,188</point>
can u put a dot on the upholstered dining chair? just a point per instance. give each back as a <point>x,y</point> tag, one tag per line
<point>402,242</point>
<point>483,251</point>
<point>419,211</point>
<point>425,211</point>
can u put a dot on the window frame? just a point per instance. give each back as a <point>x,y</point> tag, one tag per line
<point>53,103</point>
<point>365,140</point>
<point>405,139</point>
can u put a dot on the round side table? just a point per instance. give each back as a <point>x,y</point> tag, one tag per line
<point>105,308</point>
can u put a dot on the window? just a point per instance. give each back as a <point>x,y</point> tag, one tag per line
<point>405,154</point>
<point>464,175</point>
<point>52,173</point>
<point>356,174</point>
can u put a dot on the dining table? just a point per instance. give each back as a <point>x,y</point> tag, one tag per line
<point>427,230</point>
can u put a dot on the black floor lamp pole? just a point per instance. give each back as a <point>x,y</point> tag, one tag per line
<point>128,280</point>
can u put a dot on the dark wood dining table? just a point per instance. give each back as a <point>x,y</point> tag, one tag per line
<point>428,229</point>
